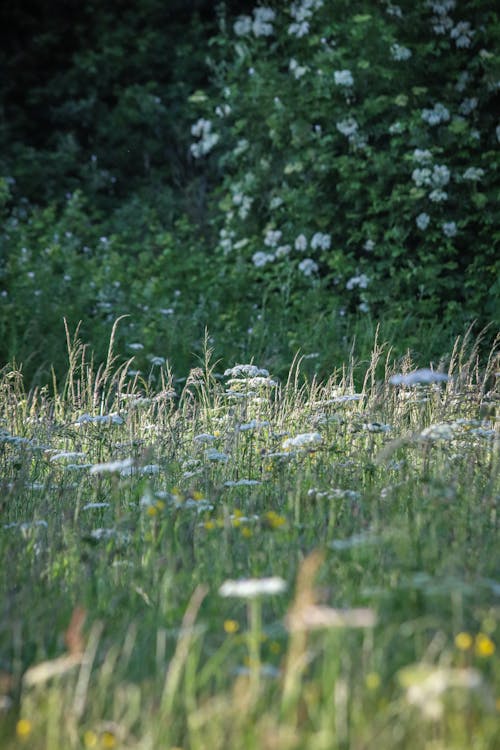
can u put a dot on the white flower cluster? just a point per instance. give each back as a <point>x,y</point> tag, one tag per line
<point>260,25</point>
<point>399,53</point>
<point>308,266</point>
<point>437,177</point>
<point>422,221</point>
<point>202,129</point>
<point>302,12</point>
<point>422,156</point>
<point>343,78</point>
<point>296,70</point>
<point>468,106</point>
<point>304,440</point>
<point>473,174</point>
<point>360,281</point>
<point>301,243</point>
<point>244,203</point>
<point>462,34</point>
<point>261,259</point>
<point>435,116</point>
<point>272,237</point>
<point>449,228</point>
<point>441,22</point>
<point>350,128</point>
<point>321,241</point>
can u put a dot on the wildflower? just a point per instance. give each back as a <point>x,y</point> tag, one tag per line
<point>299,29</point>
<point>426,686</point>
<point>396,128</point>
<point>242,483</point>
<point>424,376</point>
<point>484,646</point>
<point>400,53</point>
<point>250,588</point>
<point>422,221</point>
<point>297,70</point>
<point>246,371</point>
<point>23,728</point>
<point>320,240</point>
<point>438,114</point>
<point>440,431</point>
<point>468,106</point>
<point>301,243</point>
<point>204,437</point>
<point>262,25</point>
<point>90,739</point>
<point>304,440</point>
<point>246,533</point>
<point>108,740</point>
<point>282,251</point>
<point>202,129</point>
<point>231,626</point>
<point>66,455</point>
<point>449,228</point>
<point>315,616</point>
<point>343,78</point>
<point>214,455</point>
<point>274,520</point>
<point>272,238</point>
<point>308,266</point>
<point>112,466</point>
<point>369,246</point>
<point>440,175</point>
<point>99,419</point>
<point>463,641</point>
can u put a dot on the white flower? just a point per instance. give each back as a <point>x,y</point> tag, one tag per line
<point>246,371</point>
<point>297,70</point>
<point>204,437</point>
<point>424,376</point>
<point>462,34</point>
<point>449,228</point>
<point>320,240</point>
<point>100,419</point>
<point>473,174</point>
<point>369,246</point>
<point>136,347</point>
<point>299,29</point>
<point>304,440</point>
<point>262,25</point>
<point>242,26</point>
<point>301,242</point>
<point>400,53</point>
<point>362,281</point>
<point>66,455</point>
<point>260,259</point>
<point>422,221</point>
<point>422,156</point>
<point>282,251</point>
<point>202,129</point>
<point>214,455</point>
<point>441,431</point>
<point>440,175</point>
<point>347,127</point>
<point>343,78</point>
<point>250,588</point>
<point>276,202</point>
<point>364,307</point>
<point>112,466</point>
<point>468,106</point>
<point>308,266</point>
<point>438,196</point>
<point>439,113</point>
<point>272,237</point>
<point>396,127</point>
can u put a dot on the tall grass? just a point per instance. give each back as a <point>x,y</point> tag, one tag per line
<point>127,502</point>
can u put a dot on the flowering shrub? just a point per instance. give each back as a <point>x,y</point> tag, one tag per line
<point>357,151</point>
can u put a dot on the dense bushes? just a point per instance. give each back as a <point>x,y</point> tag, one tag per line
<point>285,175</point>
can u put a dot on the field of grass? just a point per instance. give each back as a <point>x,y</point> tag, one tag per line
<point>240,562</point>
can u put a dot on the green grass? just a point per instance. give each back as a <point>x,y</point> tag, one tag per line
<point>113,631</point>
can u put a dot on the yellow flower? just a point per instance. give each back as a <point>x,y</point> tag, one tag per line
<point>246,532</point>
<point>209,525</point>
<point>160,505</point>
<point>231,626</point>
<point>463,641</point>
<point>372,680</point>
<point>151,511</point>
<point>197,495</point>
<point>484,646</point>
<point>90,739</point>
<point>274,520</point>
<point>108,740</point>
<point>23,728</point>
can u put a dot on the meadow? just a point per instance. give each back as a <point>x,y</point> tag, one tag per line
<point>236,561</point>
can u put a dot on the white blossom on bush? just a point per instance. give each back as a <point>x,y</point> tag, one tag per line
<point>438,196</point>
<point>343,78</point>
<point>297,70</point>
<point>262,24</point>
<point>422,156</point>
<point>202,129</point>
<point>449,228</point>
<point>462,34</point>
<point>242,26</point>
<point>322,241</point>
<point>474,174</point>
<point>272,237</point>
<point>347,127</point>
<point>438,114</point>
<point>283,250</point>
<point>468,106</point>
<point>260,258</point>
<point>422,221</point>
<point>301,243</point>
<point>400,53</point>
<point>360,281</point>
<point>308,266</point>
